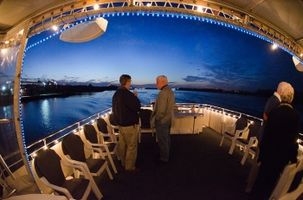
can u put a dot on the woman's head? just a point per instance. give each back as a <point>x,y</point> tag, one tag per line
<point>286,92</point>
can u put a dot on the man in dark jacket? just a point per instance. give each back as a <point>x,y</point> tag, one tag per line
<point>279,146</point>
<point>126,107</point>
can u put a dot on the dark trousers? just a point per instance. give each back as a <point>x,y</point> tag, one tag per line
<point>163,135</point>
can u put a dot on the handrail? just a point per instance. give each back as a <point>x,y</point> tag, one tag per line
<point>77,125</point>
<point>62,130</point>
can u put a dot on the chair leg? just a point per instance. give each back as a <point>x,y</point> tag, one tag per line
<point>112,163</point>
<point>221,142</point>
<point>95,188</point>
<point>244,156</point>
<point>232,147</point>
<point>109,172</point>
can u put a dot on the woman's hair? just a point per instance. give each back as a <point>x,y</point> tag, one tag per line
<point>286,92</point>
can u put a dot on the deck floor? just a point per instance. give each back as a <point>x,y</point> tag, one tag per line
<point>198,169</point>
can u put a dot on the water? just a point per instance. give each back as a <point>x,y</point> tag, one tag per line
<point>45,116</point>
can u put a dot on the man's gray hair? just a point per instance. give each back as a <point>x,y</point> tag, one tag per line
<point>286,91</point>
<point>162,78</point>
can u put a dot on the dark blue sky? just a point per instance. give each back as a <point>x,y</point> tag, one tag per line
<point>190,53</point>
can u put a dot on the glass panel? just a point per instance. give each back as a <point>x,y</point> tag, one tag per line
<point>8,140</point>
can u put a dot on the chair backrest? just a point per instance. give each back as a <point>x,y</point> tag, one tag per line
<point>241,123</point>
<point>73,146</point>
<point>254,129</point>
<point>145,115</point>
<point>102,125</point>
<point>112,120</point>
<point>90,133</point>
<point>289,180</point>
<point>48,164</point>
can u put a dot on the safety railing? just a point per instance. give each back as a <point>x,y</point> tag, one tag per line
<point>55,138</point>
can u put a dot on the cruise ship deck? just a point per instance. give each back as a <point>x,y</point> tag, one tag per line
<point>198,169</point>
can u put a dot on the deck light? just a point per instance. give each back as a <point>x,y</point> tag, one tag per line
<point>45,147</point>
<point>55,28</point>
<point>34,155</point>
<point>96,7</point>
<point>274,46</point>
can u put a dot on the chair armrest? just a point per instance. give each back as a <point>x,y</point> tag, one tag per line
<point>57,188</point>
<point>253,141</point>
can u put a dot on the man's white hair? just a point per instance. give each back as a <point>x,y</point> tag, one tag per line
<point>162,78</point>
<point>286,91</point>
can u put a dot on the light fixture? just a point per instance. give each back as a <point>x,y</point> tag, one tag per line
<point>199,9</point>
<point>21,32</point>
<point>56,141</point>
<point>301,55</point>
<point>55,28</point>
<point>34,155</point>
<point>3,88</point>
<point>4,51</point>
<point>274,46</point>
<point>45,147</point>
<point>96,7</point>
<point>148,4</point>
<point>6,42</point>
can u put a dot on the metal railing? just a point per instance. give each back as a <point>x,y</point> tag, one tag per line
<point>57,136</point>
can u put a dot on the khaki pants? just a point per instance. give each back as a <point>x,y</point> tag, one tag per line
<point>127,146</point>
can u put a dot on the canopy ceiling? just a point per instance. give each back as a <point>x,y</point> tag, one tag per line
<point>286,15</point>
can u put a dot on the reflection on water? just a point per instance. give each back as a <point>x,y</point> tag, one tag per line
<point>42,117</point>
<point>45,111</point>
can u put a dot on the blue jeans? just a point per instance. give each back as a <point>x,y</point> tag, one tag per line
<point>163,135</point>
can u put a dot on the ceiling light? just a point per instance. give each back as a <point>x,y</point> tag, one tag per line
<point>199,9</point>
<point>274,46</point>
<point>55,28</point>
<point>96,7</point>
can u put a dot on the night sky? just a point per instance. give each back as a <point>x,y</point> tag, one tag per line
<point>190,53</point>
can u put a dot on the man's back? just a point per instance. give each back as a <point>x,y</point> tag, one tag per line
<point>125,107</point>
<point>272,103</point>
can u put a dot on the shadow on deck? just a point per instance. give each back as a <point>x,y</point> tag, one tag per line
<point>198,169</point>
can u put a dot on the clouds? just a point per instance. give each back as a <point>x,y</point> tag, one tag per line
<point>190,53</point>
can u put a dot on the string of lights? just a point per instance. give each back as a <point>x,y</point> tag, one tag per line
<point>58,30</point>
